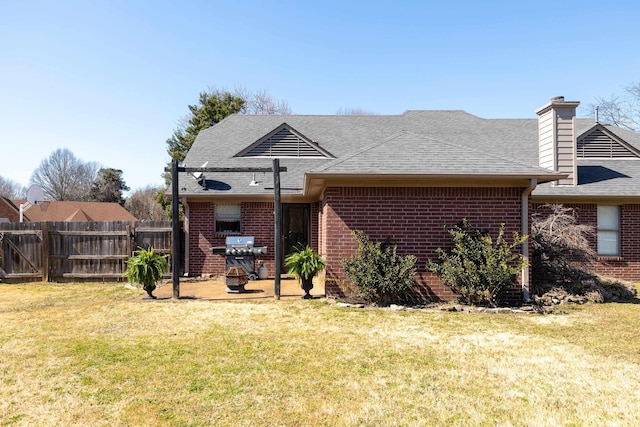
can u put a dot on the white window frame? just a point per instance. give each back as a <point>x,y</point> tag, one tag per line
<point>227,219</point>
<point>608,231</point>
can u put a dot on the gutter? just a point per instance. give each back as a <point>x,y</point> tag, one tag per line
<point>524,208</point>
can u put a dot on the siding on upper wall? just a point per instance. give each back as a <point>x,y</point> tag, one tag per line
<point>557,141</point>
<point>566,144</point>
<point>546,141</point>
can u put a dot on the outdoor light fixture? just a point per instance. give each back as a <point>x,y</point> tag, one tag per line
<point>253,182</point>
<point>199,176</point>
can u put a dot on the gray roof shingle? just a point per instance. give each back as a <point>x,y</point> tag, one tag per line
<point>415,142</point>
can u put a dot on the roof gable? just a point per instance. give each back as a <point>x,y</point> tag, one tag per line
<point>284,141</point>
<point>599,142</point>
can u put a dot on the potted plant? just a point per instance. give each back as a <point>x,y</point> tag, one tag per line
<point>145,268</point>
<point>304,263</point>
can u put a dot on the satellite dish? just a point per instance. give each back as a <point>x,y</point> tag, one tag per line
<point>35,194</point>
<point>198,175</point>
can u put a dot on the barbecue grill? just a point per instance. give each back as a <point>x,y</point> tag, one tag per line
<point>239,252</point>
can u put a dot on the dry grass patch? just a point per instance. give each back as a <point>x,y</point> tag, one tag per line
<point>83,354</point>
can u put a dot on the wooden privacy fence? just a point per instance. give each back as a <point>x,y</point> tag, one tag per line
<point>63,251</point>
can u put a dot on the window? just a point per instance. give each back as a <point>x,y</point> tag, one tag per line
<point>227,219</point>
<point>608,231</point>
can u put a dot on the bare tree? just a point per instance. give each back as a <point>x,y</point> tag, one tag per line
<point>62,176</point>
<point>621,110</point>
<point>260,102</point>
<point>11,189</point>
<point>354,112</point>
<point>143,204</point>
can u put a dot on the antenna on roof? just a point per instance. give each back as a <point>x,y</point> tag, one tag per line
<point>596,108</point>
<point>35,196</point>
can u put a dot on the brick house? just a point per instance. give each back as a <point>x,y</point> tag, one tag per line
<point>403,177</point>
<point>9,212</point>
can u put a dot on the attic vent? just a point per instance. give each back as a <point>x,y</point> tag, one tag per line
<point>284,141</point>
<point>598,143</point>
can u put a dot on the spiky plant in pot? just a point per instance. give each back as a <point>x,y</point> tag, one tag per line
<point>146,268</point>
<point>304,263</point>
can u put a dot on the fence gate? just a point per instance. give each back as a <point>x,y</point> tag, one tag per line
<point>88,250</point>
<point>21,250</point>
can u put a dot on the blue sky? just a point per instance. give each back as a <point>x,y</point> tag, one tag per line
<point>109,80</point>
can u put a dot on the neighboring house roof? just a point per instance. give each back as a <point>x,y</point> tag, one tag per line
<point>72,211</point>
<point>440,144</point>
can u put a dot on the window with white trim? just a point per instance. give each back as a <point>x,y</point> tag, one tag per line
<point>227,219</point>
<point>608,231</point>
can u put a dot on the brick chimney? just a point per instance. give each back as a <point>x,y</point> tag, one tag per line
<point>557,138</point>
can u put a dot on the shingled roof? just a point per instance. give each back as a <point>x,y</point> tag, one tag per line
<point>72,211</point>
<point>438,143</point>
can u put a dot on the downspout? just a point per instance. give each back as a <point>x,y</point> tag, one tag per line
<point>524,207</point>
<point>185,208</point>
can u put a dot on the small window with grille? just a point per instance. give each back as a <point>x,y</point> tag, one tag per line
<point>227,219</point>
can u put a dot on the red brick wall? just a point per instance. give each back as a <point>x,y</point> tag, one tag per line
<point>627,266</point>
<point>8,212</point>
<point>413,218</point>
<point>257,219</point>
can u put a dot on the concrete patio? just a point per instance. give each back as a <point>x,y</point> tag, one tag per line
<point>215,289</point>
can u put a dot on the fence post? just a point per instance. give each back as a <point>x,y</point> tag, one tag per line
<point>46,253</point>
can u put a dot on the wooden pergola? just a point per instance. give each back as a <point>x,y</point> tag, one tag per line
<point>175,250</point>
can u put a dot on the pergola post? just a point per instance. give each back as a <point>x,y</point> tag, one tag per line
<point>175,230</point>
<point>175,224</point>
<point>277,207</point>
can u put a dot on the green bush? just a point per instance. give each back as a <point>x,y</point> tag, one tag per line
<point>379,274</point>
<point>477,267</point>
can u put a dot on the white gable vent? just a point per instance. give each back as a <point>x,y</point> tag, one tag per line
<point>284,141</point>
<point>599,143</point>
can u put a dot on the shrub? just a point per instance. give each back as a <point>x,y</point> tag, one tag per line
<point>377,271</point>
<point>477,267</point>
<point>560,251</point>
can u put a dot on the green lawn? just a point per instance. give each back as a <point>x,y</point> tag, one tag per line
<point>97,354</point>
